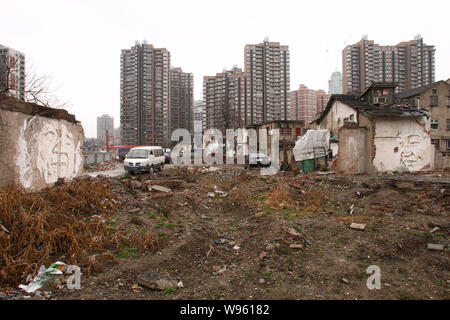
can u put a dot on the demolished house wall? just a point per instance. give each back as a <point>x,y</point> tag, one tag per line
<point>38,145</point>
<point>352,152</point>
<point>403,145</point>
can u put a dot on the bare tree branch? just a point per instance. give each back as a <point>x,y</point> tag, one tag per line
<point>37,88</point>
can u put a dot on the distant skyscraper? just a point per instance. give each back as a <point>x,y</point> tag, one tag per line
<point>145,95</point>
<point>224,99</point>
<point>408,64</point>
<point>105,125</point>
<point>181,99</point>
<point>267,70</point>
<point>12,72</point>
<point>199,115</point>
<point>335,83</point>
<point>305,103</point>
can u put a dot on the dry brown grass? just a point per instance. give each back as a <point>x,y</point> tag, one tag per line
<point>66,222</point>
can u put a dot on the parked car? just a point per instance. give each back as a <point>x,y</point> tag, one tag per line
<point>144,159</point>
<point>167,157</point>
<point>257,159</point>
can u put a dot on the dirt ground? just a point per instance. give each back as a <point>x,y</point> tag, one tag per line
<point>230,233</point>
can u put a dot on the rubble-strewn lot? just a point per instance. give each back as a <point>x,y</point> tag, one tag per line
<point>233,234</point>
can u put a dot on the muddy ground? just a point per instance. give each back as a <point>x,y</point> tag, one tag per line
<point>230,233</point>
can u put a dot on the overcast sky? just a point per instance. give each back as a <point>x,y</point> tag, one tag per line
<point>77,43</point>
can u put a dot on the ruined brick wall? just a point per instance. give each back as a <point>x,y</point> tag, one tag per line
<point>38,145</point>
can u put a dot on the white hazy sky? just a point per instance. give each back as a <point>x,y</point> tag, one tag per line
<point>77,43</point>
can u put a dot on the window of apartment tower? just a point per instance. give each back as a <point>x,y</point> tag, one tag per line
<point>435,124</point>
<point>448,101</point>
<point>448,124</point>
<point>448,144</point>
<point>433,101</point>
<point>436,143</point>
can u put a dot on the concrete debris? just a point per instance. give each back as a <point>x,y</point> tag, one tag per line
<point>435,247</point>
<point>155,281</point>
<point>358,226</point>
<point>159,188</point>
<point>296,246</point>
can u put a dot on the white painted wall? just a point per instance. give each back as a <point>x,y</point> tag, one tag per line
<point>336,115</point>
<point>402,145</point>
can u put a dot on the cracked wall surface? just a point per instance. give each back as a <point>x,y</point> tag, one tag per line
<point>36,151</point>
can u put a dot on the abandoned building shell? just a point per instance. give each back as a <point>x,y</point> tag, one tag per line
<point>378,137</point>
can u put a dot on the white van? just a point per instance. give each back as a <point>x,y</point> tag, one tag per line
<point>146,159</point>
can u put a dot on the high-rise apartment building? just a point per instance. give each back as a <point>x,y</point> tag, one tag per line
<point>105,128</point>
<point>181,99</point>
<point>199,116</point>
<point>408,64</point>
<point>305,103</point>
<point>335,83</point>
<point>321,100</point>
<point>224,99</point>
<point>267,70</point>
<point>145,95</point>
<point>12,72</point>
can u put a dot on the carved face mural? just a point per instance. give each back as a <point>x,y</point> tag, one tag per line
<point>51,150</point>
<point>411,148</point>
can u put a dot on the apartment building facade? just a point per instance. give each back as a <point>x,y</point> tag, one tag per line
<point>409,64</point>
<point>145,95</point>
<point>267,67</point>
<point>435,98</point>
<point>224,99</point>
<point>12,72</point>
<point>181,99</point>
<point>305,103</point>
<point>105,128</point>
<point>199,116</point>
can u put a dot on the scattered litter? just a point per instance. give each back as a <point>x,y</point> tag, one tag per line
<point>236,247</point>
<point>434,229</point>
<point>296,246</point>
<point>345,280</point>
<point>352,207</point>
<point>6,230</point>
<point>436,247</point>
<point>180,284</point>
<point>211,194</point>
<point>44,274</point>
<point>358,226</point>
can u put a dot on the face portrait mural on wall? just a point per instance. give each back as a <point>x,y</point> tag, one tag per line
<point>412,151</point>
<point>52,149</point>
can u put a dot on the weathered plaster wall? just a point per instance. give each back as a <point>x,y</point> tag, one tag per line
<point>352,154</point>
<point>403,145</point>
<point>442,160</point>
<point>36,151</point>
